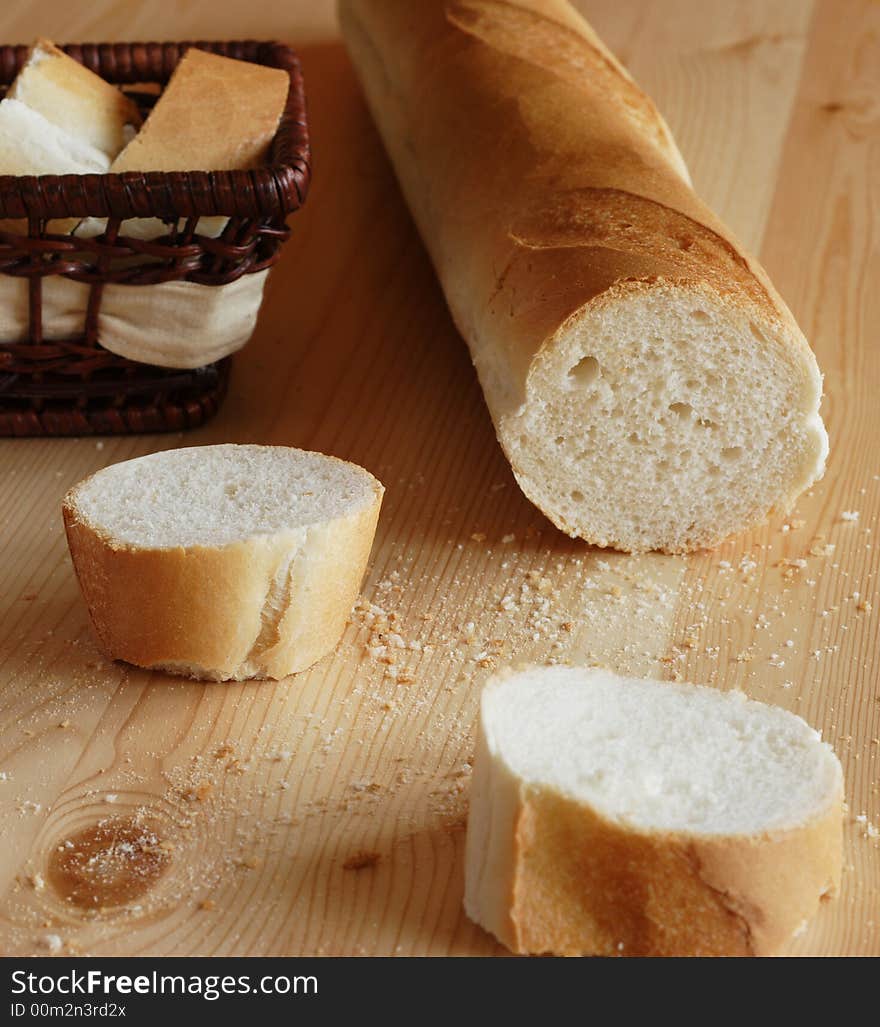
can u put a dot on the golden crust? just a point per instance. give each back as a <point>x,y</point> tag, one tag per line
<point>224,112</point>
<point>583,885</point>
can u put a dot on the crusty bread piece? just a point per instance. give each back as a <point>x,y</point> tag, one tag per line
<point>222,562</point>
<point>617,816</point>
<point>215,114</point>
<point>648,385</point>
<point>32,145</point>
<point>59,118</point>
<point>75,99</point>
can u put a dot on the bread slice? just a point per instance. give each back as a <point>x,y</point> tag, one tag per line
<point>215,114</point>
<point>59,118</point>
<point>617,816</point>
<point>75,99</point>
<point>222,562</point>
<point>647,383</point>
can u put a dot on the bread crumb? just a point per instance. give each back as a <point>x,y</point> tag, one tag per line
<point>53,943</point>
<point>849,515</point>
<point>820,547</point>
<point>207,905</point>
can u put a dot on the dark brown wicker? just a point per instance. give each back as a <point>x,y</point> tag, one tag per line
<point>75,386</point>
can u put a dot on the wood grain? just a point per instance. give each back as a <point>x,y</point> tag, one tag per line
<point>325,813</point>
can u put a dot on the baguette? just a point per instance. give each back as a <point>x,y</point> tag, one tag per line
<point>648,385</point>
<point>613,816</point>
<point>222,562</point>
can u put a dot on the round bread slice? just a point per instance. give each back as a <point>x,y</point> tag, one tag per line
<point>222,562</point>
<point>617,816</point>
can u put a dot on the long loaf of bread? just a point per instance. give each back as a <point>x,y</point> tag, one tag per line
<point>647,383</point>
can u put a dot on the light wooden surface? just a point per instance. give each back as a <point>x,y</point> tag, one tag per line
<point>325,814</point>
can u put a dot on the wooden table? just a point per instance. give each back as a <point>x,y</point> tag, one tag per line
<point>325,813</point>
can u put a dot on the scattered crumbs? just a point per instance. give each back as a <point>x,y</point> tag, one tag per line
<point>869,830</point>
<point>37,882</point>
<point>53,943</point>
<point>366,786</point>
<point>361,860</point>
<point>200,792</point>
<point>5,775</point>
<point>508,538</point>
<point>111,797</point>
<point>820,547</point>
<point>864,606</point>
<point>849,515</point>
<point>250,862</point>
<point>790,567</point>
<point>99,445</point>
<point>207,905</point>
<point>478,536</point>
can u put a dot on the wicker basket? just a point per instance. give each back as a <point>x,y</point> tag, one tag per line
<point>74,386</point>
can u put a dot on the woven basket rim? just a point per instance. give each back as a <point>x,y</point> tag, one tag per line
<point>274,189</point>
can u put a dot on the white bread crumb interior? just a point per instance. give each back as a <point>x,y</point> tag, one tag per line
<point>214,495</point>
<point>660,756</point>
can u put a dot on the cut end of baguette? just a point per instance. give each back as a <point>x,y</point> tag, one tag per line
<point>660,756</point>
<point>217,495</point>
<point>621,816</point>
<point>222,562</point>
<point>663,417</point>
